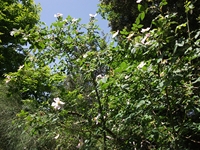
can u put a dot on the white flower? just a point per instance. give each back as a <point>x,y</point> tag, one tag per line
<point>57,136</point>
<point>8,78</point>
<point>164,61</point>
<point>145,30</point>
<point>115,34</point>
<point>92,16</point>
<point>97,118</point>
<point>85,55</point>
<point>128,102</point>
<point>74,20</point>
<point>126,77</point>
<point>99,77</point>
<point>130,36</point>
<point>58,15</point>
<point>57,100</point>
<point>12,33</point>
<point>57,103</point>
<point>138,1</point>
<point>20,67</point>
<point>141,65</point>
<point>109,137</point>
<point>25,38</point>
<point>144,39</point>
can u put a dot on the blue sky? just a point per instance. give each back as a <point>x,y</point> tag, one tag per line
<point>74,8</point>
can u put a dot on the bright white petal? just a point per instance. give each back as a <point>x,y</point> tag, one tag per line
<point>99,77</point>
<point>91,15</point>
<point>12,33</point>
<point>97,118</point>
<point>57,103</point>
<point>141,65</point>
<point>57,107</point>
<point>85,55</point>
<point>20,67</point>
<point>57,136</point>
<point>61,103</point>
<point>54,104</point>
<point>145,30</point>
<point>58,15</point>
<point>138,1</point>
<point>74,20</point>
<point>130,36</point>
<point>57,99</point>
<point>115,34</point>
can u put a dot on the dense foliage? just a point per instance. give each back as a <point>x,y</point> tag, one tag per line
<point>123,13</point>
<point>83,90</point>
<point>15,14</point>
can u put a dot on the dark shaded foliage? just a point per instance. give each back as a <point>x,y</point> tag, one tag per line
<point>123,13</point>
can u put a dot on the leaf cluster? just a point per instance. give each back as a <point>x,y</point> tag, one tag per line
<point>15,15</point>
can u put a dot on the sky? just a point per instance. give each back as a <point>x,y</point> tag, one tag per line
<point>74,8</point>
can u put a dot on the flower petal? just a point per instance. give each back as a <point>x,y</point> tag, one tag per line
<point>115,34</point>
<point>58,15</point>
<point>62,103</point>
<point>57,136</point>
<point>92,16</point>
<point>57,99</point>
<point>138,1</point>
<point>145,30</point>
<point>141,65</point>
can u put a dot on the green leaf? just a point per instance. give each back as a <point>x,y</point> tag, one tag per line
<point>104,79</point>
<point>140,7</point>
<point>104,86</point>
<point>142,102</point>
<point>142,15</point>
<point>137,21</point>
<point>140,26</point>
<point>163,3</point>
<point>121,68</point>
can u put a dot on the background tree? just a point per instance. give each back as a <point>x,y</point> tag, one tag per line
<point>123,13</point>
<point>15,14</point>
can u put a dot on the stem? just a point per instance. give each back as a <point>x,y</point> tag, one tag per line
<point>170,115</point>
<point>188,26</point>
<point>101,117</point>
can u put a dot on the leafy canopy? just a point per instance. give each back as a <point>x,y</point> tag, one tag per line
<point>15,14</point>
<point>142,93</point>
